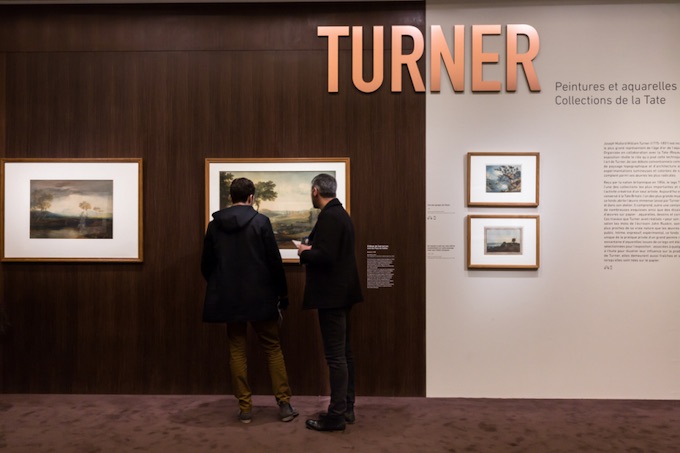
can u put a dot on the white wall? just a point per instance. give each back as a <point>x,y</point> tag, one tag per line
<point>571,329</point>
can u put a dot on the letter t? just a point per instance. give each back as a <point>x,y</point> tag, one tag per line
<point>333,33</point>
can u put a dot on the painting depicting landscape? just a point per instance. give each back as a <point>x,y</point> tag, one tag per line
<point>283,196</point>
<point>71,209</point>
<point>503,240</point>
<point>503,178</point>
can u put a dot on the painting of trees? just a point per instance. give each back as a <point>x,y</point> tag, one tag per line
<point>264,190</point>
<point>225,184</point>
<point>73,209</point>
<point>503,178</point>
<point>41,200</point>
<point>283,196</point>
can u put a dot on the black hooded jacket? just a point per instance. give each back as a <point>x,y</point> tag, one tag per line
<point>242,264</point>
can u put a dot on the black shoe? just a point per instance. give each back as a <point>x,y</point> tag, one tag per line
<point>326,424</point>
<point>350,418</point>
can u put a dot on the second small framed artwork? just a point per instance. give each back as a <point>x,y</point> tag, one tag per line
<point>503,179</point>
<point>503,242</point>
<point>282,192</point>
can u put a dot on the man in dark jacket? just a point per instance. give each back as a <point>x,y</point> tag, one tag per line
<point>332,287</point>
<point>247,284</point>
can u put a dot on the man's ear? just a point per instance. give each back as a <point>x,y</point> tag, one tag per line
<point>251,198</point>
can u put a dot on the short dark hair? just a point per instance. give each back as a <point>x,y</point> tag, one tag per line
<point>326,184</point>
<point>241,189</point>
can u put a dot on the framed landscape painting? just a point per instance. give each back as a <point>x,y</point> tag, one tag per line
<point>282,192</point>
<point>503,242</point>
<point>72,210</point>
<point>503,179</point>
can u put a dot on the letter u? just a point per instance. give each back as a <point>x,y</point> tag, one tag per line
<point>358,59</point>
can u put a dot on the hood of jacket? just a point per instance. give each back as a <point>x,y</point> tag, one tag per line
<point>234,218</point>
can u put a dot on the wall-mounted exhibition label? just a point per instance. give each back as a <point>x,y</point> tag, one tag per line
<point>379,266</point>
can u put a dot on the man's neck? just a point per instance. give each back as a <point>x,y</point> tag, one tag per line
<point>324,201</point>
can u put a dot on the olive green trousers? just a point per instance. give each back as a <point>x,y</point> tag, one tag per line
<point>268,337</point>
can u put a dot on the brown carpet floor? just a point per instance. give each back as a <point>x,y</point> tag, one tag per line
<point>129,423</point>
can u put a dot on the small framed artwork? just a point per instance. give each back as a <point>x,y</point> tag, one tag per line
<point>72,210</point>
<point>282,192</point>
<point>503,179</point>
<point>503,242</point>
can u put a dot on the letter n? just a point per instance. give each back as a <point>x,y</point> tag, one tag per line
<point>439,51</point>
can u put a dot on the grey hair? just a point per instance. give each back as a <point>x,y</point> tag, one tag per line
<point>326,184</point>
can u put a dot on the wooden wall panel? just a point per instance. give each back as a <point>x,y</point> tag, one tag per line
<point>175,85</point>
<point>4,322</point>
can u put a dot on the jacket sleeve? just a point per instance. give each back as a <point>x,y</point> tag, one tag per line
<point>208,258</point>
<point>274,261</point>
<point>325,244</point>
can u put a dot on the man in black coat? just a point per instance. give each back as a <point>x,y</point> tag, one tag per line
<point>332,287</point>
<point>247,284</point>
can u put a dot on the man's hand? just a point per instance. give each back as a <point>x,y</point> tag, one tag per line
<point>302,247</point>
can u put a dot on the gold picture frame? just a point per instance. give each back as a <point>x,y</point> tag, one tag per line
<point>503,179</point>
<point>503,242</point>
<point>283,191</point>
<point>87,210</point>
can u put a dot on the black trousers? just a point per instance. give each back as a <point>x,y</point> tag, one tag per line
<point>335,331</point>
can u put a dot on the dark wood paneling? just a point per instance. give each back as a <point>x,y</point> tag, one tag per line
<point>4,327</point>
<point>2,104</point>
<point>279,26</point>
<point>80,86</point>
